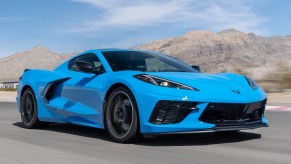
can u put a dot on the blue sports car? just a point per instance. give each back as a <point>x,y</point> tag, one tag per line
<point>134,92</point>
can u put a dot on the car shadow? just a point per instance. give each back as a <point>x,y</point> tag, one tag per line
<point>75,130</point>
<point>198,139</point>
<point>186,139</point>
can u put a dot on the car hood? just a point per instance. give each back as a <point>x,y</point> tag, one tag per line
<point>223,87</point>
<point>203,81</point>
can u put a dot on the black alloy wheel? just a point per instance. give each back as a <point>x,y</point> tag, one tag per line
<point>28,110</point>
<point>121,116</point>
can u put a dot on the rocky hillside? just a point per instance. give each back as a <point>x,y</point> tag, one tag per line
<point>226,51</point>
<point>39,57</point>
<point>229,50</point>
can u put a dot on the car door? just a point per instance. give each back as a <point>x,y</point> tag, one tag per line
<point>80,94</point>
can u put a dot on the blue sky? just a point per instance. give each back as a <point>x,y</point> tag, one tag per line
<point>76,25</point>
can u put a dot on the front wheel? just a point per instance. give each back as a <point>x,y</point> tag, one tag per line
<point>28,110</point>
<point>121,117</point>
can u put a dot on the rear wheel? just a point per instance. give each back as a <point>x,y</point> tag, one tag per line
<point>121,117</point>
<point>28,110</point>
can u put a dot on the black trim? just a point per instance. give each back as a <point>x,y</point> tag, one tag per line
<point>240,127</point>
<point>171,112</point>
<point>225,114</point>
<point>218,129</point>
<point>49,90</point>
<point>73,61</point>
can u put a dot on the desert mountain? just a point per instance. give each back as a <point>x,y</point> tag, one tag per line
<point>229,50</point>
<point>38,57</point>
<point>225,51</point>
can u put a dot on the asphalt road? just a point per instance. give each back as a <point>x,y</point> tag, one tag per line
<point>73,144</point>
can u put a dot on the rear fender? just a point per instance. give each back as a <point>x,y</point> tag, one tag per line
<point>41,82</point>
<point>38,80</point>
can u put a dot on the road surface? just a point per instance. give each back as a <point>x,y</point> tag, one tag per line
<point>63,144</point>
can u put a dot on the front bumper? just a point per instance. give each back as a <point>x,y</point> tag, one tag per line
<point>189,116</point>
<point>240,127</point>
<point>216,129</point>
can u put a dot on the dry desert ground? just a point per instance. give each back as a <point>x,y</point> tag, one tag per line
<point>7,96</point>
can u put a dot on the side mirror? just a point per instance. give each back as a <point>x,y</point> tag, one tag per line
<point>196,67</point>
<point>84,66</point>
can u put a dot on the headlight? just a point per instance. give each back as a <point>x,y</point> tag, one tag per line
<point>162,82</point>
<point>252,83</point>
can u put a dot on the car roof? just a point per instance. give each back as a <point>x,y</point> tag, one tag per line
<point>117,49</point>
<point>110,50</point>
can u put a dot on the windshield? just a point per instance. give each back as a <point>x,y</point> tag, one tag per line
<point>144,61</point>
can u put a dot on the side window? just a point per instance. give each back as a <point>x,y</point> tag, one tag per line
<point>89,58</point>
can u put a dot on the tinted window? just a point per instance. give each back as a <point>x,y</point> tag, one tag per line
<point>144,61</point>
<point>90,58</point>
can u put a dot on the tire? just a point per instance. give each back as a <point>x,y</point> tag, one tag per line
<point>121,116</point>
<point>28,110</point>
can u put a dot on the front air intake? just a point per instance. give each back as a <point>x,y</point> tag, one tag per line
<point>171,112</point>
<point>230,114</point>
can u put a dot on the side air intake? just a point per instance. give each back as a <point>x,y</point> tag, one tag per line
<point>49,90</point>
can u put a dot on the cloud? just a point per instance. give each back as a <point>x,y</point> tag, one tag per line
<point>231,14</point>
<point>129,23</point>
<point>212,14</point>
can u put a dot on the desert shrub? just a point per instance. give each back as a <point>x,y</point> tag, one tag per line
<point>8,89</point>
<point>284,76</point>
<point>241,71</point>
<point>286,79</point>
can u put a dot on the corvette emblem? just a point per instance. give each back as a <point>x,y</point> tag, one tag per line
<point>236,91</point>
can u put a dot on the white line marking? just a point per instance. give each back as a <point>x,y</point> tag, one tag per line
<point>279,108</point>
